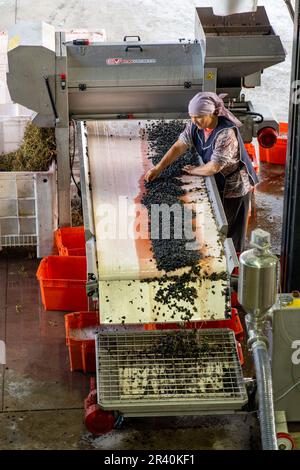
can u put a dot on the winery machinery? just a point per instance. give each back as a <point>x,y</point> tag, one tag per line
<point>117,94</point>
<point>78,80</point>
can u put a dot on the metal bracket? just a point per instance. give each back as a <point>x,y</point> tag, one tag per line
<point>216,203</point>
<point>92,282</point>
<point>51,99</point>
<point>92,286</point>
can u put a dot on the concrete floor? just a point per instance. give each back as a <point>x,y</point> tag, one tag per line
<point>40,399</point>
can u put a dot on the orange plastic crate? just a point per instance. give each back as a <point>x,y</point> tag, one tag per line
<point>82,352</point>
<point>276,154</point>
<point>252,154</point>
<point>63,283</point>
<point>233,323</point>
<point>70,241</point>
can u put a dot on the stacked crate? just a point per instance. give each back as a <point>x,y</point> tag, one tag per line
<point>63,287</point>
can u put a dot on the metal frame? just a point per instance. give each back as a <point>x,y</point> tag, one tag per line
<point>216,203</point>
<point>239,46</point>
<point>44,218</point>
<point>290,247</point>
<point>133,360</point>
<point>87,209</point>
<point>284,357</point>
<point>62,133</point>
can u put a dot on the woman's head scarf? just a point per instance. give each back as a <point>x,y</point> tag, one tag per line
<point>206,103</point>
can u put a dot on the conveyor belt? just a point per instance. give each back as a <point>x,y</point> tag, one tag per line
<point>118,162</point>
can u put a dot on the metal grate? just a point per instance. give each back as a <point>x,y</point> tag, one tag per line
<point>189,368</point>
<point>18,240</point>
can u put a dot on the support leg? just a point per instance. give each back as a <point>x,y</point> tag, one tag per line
<point>63,176</point>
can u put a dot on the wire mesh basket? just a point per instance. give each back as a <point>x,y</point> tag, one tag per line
<point>169,370</point>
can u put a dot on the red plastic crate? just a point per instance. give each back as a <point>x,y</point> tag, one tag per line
<point>276,154</point>
<point>82,353</point>
<point>70,241</point>
<point>252,154</point>
<point>63,283</point>
<point>233,323</point>
<point>283,128</point>
<point>80,320</point>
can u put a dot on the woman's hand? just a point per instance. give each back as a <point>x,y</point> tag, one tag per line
<point>192,170</point>
<point>152,174</point>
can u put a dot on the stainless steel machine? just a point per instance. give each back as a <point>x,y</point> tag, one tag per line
<point>112,85</point>
<point>273,338</point>
<point>286,355</point>
<point>134,80</point>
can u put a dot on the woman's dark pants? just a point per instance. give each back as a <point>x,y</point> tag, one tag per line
<point>236,211</point>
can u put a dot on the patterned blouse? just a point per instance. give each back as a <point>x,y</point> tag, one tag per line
<point>226,154</point>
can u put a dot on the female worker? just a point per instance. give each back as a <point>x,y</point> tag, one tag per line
<point>213,131</point>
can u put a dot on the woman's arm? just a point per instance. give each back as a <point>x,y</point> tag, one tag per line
<point>225,155</point>
<point>178,149</point>
<point>211,168</point>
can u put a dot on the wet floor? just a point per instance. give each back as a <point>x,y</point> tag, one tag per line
<point>36,376</point>
<point>267,203</point>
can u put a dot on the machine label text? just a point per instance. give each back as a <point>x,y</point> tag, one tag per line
<point>296,354</point>
<point>120,61</point>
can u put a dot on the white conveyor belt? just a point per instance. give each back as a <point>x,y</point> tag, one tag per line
<point>118,162</point>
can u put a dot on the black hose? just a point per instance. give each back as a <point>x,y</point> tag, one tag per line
<point>72,158</point>
<point>252,113</point>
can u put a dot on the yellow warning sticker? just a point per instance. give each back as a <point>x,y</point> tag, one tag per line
<point>210,76</point>
<point>13,42</point>
<point>294,304</point>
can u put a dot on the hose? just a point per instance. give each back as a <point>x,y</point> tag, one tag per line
<point>265,395</point>
<point>72,158</point>
<point>250,113</point>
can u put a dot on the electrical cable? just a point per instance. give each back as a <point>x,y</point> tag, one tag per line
<point>72,158</point>
<point>250,113</point>
<point>287,391</point>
